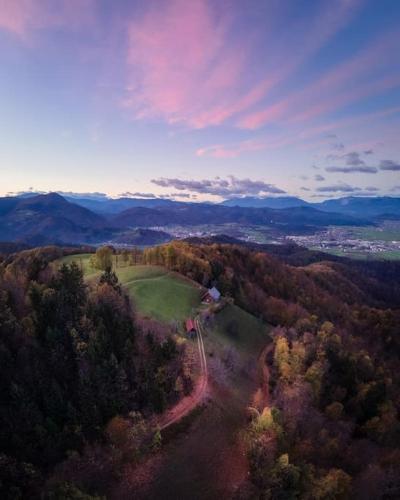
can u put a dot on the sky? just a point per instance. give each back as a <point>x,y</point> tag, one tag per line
<point>200,99</point>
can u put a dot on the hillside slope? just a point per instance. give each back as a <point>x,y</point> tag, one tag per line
<point>195,214</point>
<point>48,219</point>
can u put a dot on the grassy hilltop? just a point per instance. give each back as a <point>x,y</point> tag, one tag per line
<point>156,292</point>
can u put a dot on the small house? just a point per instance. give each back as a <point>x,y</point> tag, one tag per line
<point>212,295</point>
<point>190,327</point>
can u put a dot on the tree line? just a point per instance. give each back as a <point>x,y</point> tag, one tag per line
<point>332,429</point>
<point>72,358</point>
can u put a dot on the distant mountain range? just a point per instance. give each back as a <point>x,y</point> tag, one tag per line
<point>376,206</point>
<point>52,218</point>
<point>115,206</point>
<point>350,205</point>
<point>197,213</point>
<point>278,202</point>
<point>49,218</point>
<point>360,206</point>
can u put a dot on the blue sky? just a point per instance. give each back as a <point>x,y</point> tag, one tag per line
<point>200,100</point>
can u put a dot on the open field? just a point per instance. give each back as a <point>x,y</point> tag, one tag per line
<point>386,232</point>
<point>376,243</point>
<point>238,329</point>
<point>165,298</point>
<point>155,291</point>
<point>354,254</point>
<point>83,261</point>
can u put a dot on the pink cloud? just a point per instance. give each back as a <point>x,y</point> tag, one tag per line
<point>345,83</point>
<point>232,150</point>
<point>23,17</point>
<point>188,64</point>
<point>351,80</point>
<point>15,16</point>
<point>314,34</point>
<point>264,116</point>
<point>182,66</point>
<point>303,137</point>
<point>346,97</point>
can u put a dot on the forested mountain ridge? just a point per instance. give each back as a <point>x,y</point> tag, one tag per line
<point>359,206</point>
<point>364,206</point>
<point>331,429</point>
<point>72,357</point>
<point>77,365</point>
<point>379,278</point>
<point>194,214</point>
<point>51,219</point>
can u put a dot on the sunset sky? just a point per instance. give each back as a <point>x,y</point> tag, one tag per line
<point>200,100</point>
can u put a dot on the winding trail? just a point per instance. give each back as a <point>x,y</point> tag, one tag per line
<point>207,460</point>
<point>187,404</point>
<point>138,280</point>
<point>261,398</point>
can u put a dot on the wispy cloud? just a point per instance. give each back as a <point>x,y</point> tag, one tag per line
<point>337,188</point>
<point>353,159</point>
<point>389,165</point>
<point>136,194</point>
<point>172,196</point>
<point>347,188</point>
<point>23,17</point>
<point>182,64</point>
<point>188,62</point>
<point>300,137</point>
<point>232,150</point>
<point>332,91</point>
<point>232,186</point>
<point>151,196</point>
<point>364,169</point>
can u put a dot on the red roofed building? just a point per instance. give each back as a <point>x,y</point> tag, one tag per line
<point>190,327</point>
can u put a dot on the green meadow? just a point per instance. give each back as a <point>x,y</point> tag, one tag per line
<point>155,291</point>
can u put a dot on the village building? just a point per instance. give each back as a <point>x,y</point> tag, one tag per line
<point>212,295</point>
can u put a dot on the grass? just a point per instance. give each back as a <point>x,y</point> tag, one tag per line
<point>83,261</point>
<point>214,430</point>
<point>390,255</point>
<point>385,233</point>
<point>165,297</point>
<point>354,254</point>
<point>139,272</point>
<point>156,292</point>
<point>234,327</point>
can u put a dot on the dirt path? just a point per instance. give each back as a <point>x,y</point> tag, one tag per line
<point>207,460</point>
<point>261,398</point>
<point>189,403</point>
<point>143,473</point>
<point>200,331</point>
<point>137,280</point>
